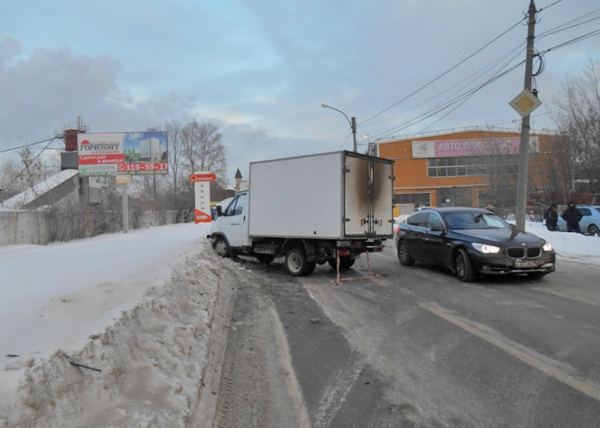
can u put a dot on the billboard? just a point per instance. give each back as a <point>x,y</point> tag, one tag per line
<point>116,153</point>
<point>477,147</point>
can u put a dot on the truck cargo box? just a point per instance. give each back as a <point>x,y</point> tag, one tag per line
<point>336,195</point>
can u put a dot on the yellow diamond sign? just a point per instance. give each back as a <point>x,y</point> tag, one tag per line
<point>525,103</point>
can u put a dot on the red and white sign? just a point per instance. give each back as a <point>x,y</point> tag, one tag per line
<point>201,177</point>
<point>201,182</point>
<point>201,217</point>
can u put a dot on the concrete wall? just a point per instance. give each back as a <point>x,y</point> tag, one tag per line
<point>22,227</point>
<point>31,227</point>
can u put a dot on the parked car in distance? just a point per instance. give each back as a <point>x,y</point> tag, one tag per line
<point>472,241</point>
<point>590,222</point>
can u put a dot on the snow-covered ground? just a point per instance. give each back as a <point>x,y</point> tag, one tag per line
<point>137,306</point>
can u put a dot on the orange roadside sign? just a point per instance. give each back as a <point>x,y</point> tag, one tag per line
<point>201,217</point>
<point>202,177</point>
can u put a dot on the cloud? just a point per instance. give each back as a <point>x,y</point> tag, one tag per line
<point>49,87</point>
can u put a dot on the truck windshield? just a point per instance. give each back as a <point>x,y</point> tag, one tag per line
<point>237,205</point>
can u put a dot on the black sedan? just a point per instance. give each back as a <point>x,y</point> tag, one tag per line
<point>471,241</point>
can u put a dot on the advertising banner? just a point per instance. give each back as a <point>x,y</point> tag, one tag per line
<point>119,153</point>
<point>475,147</point>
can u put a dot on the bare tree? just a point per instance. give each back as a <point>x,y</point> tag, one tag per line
<point>577,116</point>
<point>203,149</point>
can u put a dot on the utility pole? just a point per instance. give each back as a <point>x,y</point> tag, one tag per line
<point>353,126</point>
<point>524,148</point>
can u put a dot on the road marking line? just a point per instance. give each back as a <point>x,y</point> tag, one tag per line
<point>584,387</point>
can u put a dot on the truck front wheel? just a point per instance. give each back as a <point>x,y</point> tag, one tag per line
<point>221,247</point>
<point>296,263</point>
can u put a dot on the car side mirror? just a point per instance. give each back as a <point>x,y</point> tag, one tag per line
<point>437,228</point>
<point>219,211</point>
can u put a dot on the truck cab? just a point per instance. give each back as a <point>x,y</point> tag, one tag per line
<point>230,229</point>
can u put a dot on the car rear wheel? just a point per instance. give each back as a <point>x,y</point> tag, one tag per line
<point>404,255</point>
<point>593,229</point>
<point>462,264</point>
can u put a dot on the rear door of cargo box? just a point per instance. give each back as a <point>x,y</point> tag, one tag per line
<point>356,195</point>
<point>383,194</point>
<point>368,196</point>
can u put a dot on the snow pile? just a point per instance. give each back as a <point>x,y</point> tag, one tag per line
<point>574,247</point>
<point>152,355</point>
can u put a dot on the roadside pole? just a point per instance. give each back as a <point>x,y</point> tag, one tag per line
<point>524,150</point>
<point>123,181</point>
<point>125,201</point>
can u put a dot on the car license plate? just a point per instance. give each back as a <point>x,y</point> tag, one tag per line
<point>526,264</point>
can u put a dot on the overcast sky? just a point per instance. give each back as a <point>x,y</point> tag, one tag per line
<point>260,70</point>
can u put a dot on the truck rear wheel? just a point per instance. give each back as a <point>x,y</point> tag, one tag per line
<point>296,263</point>
<point>345,263</point>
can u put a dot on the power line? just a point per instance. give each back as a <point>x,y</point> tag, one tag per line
<point>443,74</point>
<point>470,93</point>
<point>570,42</point>
<point>450,101</point>
<point>33,160</point>
<point>448,104</point>
<point>564,27</point>
<point>27,145</point>
<point>544,8</point>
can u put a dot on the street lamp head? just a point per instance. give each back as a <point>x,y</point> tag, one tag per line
<point>324,106</point>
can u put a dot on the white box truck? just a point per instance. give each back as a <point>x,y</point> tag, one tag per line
<point>328,207</point>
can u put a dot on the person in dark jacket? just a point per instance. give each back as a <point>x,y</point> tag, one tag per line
<point>551,217</point>
<point>572,216</point>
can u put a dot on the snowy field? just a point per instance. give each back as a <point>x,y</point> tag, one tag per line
<point>137,306</point>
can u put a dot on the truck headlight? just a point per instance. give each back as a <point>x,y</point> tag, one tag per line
<point>486,249</point>
<point>547,246</point>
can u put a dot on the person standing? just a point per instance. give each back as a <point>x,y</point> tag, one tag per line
<point>551,217</point>
<point>490,207</point>
<point>572,216</point>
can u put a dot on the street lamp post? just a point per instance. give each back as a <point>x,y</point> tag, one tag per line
<point>351,122</point>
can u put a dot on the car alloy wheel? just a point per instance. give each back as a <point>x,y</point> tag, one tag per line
<point>404,255</point>
<point>462,264</point>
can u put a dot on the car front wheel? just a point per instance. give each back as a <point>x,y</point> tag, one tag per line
<point>404,255</point>
<point>462,264</point>
<point>593,230</point>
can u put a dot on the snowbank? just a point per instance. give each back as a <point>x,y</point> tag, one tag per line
<point>573,247</point>
<point>151,353</point>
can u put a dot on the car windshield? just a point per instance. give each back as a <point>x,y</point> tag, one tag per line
<point>475,220</point>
